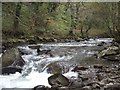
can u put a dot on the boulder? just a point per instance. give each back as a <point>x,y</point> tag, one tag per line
<point>99,66</point>
<point>58,67</point>
<point>10,56</point>
<point>102,44</point>
<point>19,62</point>
<point>57,80</point>
<point>113,57</point>
<point>11,70</point>
<point>78,68</point>
<point>112,50</point>
<point>46,52</point>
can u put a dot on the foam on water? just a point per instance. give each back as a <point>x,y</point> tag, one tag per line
<point>90,42</point>
<point>30,81</point>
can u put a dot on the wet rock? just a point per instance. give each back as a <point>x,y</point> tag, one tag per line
<point>109,51</point>
<point>101,44</point>
<point>78,68</point>
<point>19,62</point>
<point>99,66</point>
<point>10,56</point>
<point>113,57</point>
<point>57,80</point>
<point>112,87</point>
<point>45,52</point>
<point>58,67</point>
<point>41,87</point>
<point>11,70</point>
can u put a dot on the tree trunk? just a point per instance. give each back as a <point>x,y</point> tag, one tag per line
<point>17,15</point>
<point>119,17</point>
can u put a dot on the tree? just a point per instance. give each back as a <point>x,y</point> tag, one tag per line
<point>17,16</point>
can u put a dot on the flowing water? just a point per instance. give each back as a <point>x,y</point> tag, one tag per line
<point>34,72</point>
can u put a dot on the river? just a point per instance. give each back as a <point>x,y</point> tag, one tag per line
<point>34,72</point>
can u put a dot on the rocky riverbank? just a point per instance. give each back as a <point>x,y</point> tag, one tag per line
<point>94,77</point>
<point>8,43</point>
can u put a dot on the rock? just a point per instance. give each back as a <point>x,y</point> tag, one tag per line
<point>11,70</point>
<point>19,62</point>
<point>38,38</point>
<point>58,67</point>
<point>10,56</point>
<point>46,52</point>
<point>54,40</point>
<point>105,81</point>
<point>57,80</point>
<point>112,50</point>
<point>76,83</point>
<point>112,87</point>
<point>101,44</point>
<point>31,41</point>
<point>21,41</point>
<point>77,68</point>
<point>99,66</point>
<point>78,39</point>
<point>113,57</point>
<point>41,87</point>
<point>34,46</point>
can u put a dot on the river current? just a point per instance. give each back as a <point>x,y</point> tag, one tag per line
<point>34,72</point>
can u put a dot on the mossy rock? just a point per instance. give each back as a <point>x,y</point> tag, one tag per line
<point>58,67</point>
<point>10,56</point>
<point>58,80</point>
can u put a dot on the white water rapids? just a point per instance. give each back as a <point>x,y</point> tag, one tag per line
<point>30,79</point>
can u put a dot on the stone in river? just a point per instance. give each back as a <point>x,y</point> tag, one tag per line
<point>58,67</point>
<point>57,80</point>
<point>11,70</point>
<point>98,66</point>
<point>113,50</point>
<point>10,56</point>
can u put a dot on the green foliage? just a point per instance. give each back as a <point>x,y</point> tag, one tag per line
<point>60,19</point>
